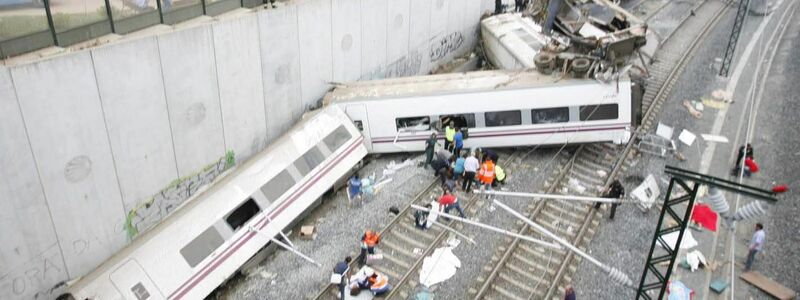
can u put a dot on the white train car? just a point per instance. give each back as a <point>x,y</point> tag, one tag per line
<point>208,238</point>
<point>499,108</point>
<point>510,42</point>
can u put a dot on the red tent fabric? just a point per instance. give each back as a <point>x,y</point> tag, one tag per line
<point>703,215</point>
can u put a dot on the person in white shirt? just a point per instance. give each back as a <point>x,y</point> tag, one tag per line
<point>756,245</point>
<point>471,165</point>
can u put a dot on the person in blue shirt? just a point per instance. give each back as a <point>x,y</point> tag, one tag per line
<point>354,188</point>
<point>458,140</point>
<point>458,167</point>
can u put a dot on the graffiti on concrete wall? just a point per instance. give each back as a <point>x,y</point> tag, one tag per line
<point>149,213</point>
<point>445,45</point>
<point>34,279</point>
<point>408,65</point>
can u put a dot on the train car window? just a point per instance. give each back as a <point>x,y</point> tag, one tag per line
<point>599,112</point>
<point>140,291</point>
<point>503,118</point>
<point>413,123</point>
<point>550,115</point>
<point>337,138</point>
<point>460,120</point>
<point>200,247</point>
<point>310,160</point>
<point>278,185</point>
<point>239,216</point>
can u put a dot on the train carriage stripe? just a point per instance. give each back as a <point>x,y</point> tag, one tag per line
<point>497,133</point>
<point>239,242</point>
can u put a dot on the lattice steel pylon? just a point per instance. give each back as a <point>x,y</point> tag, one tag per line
<point>690,182</point>
<point>741,14</point>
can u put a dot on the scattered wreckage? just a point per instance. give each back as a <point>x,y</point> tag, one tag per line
<point>579,38</point>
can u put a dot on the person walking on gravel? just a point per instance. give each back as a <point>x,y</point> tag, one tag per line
<point>756,245</point>
<point>614,191</point>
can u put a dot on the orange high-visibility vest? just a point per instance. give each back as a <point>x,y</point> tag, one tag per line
<point>371,238</point>
<point>486,174</point>
<point>378,282</point>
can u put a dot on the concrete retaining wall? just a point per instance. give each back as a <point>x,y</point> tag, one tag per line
<point>101,144</point>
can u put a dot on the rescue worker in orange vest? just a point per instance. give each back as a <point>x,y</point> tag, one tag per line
<point>378,284</point>
<point>368,242</point>
<point>486,175</point>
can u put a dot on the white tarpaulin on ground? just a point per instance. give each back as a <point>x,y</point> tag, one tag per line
<point>687,243</point>
<point>438,267</point>
<point>647,192</point>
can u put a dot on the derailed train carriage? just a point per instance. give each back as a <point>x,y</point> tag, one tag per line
<point>497,108</point>
<point>216,231</point>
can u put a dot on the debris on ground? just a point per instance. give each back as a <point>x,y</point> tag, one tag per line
<point>703,214</point>
<point>647,192</point>
<point>695,259</point>
<point>773,288</point>
<point>714,138</point>
<point>677,290</point>
<point>692,111</point>
<point>671,239</point>
<point>722,95</point>
<point>687,137</point>
<point>440,266</point>
<point>308,232</point>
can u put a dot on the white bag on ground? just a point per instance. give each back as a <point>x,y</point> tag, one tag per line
<point>438,267</point>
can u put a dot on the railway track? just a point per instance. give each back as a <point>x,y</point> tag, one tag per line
<point>521,271</point>
<point>403,246</point>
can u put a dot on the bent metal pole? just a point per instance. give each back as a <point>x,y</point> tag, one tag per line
<point>615,274</point>
<point>492,228</point>
<point>291,249</point>
<point>552,196</point>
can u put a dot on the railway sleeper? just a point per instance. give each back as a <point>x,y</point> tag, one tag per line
<point>578,209</point>
<point>506,293</point>
<point>585,168</point>
<point>533,265</point>
<point>543,253</point>
<point>560,217</point>
<point>529,272</point>
<point>514,281</point>
<point>397,261</point>
<point>388,271</point>
<point>388,244</point>
<point>425,233</point>
<point>404,236</point>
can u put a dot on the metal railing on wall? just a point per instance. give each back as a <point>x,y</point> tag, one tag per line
<point>28,25</point>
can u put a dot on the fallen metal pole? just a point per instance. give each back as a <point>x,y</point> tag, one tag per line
<point>614,273</point>
<point>470,240</point>
<point>551,196</point>
<point>492,228</point>
<point>283,235</point>
<point>279,243</point>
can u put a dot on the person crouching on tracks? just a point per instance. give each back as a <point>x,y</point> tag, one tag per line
<point>368,278</point>
<point>486,175</point>
<point>450,201</point>
<point>368,242</point>
<point>499,176</point>
<point>614,191</point>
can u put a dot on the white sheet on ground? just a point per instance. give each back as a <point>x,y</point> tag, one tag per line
<point>438,267</point>
<point>687,243</point>
<point>433,215</point>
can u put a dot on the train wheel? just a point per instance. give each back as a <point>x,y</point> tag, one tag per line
<point>580,65</point>
<point>544,62</point>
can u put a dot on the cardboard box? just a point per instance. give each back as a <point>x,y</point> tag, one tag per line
<point>308,232</point>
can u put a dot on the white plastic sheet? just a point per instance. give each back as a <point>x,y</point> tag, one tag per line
<point>688,241</point>
<point>438,267</point>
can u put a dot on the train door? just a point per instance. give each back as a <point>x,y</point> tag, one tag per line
<point>358,114</point>
<point>133,283</point>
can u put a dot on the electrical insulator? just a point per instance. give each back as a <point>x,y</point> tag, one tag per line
<point>750,211</point>
<point>718,202</point>
<point>619,277</point>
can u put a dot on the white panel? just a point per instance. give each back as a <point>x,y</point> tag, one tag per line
<point>280,66</point>
<point>472,21</point>
<point>314,18</point>
<point>187,60</point>
<point>440,11</point>
<point>456,26</point>
<point>420,27</point>
<point>68,136</point>
<point>24,243</point>
<point>136,115</point>
<point>241,90</point>
<point>347,41</point>
<point>398,29</point>
<point>374,27</point>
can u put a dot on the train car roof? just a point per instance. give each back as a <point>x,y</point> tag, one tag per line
<point>446,84</point>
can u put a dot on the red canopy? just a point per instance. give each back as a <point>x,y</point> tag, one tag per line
<point>703,215</point>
